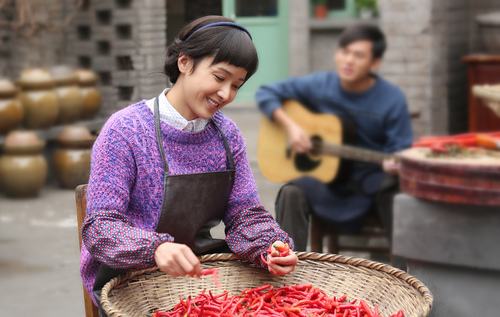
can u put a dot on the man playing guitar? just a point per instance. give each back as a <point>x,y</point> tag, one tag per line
<point>353,92</point>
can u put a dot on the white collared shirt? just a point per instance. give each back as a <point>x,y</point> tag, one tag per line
<point>172,117</point>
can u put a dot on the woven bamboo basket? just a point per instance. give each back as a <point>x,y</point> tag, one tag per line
<point>143,292</point>
<point>490,94</point>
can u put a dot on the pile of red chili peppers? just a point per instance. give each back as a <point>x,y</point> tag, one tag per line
<point>442,144</point>
<point>266,300</point>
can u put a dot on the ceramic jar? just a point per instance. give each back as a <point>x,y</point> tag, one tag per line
<point>39,100</point>
<point>91,96</point>
<point>11,110</point>
<point>71,160</point>
<point>68,92</point>
<point>23,168</point>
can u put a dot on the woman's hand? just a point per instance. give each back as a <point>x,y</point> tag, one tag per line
<point>177,259</point>
<point>282,265</point>
<point>280,260</point>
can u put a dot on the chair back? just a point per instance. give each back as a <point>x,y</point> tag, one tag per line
<point>81,210</point>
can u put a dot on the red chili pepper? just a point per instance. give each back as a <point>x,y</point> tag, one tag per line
<point>281,246</point>
<point>438,148</point>
<point>366,308</point>
<point>208,271</point>
<point>265,300</point>
<point>215,276</point>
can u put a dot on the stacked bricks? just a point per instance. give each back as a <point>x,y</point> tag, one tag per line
<point>38,42</point>
<point>477,7</point>
<point>298,62</point>
<point>452,33</point>
<point>6,15</point>
<point>124,42</point>
<point>427,40</point>
<point>408,60</point>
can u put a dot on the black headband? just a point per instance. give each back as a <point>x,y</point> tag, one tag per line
<point>209,25</point>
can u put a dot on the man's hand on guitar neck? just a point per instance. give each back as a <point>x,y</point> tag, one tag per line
<point>299,140</point>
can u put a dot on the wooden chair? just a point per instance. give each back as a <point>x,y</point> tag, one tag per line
<point>371,229</point>
<point>81,208</point>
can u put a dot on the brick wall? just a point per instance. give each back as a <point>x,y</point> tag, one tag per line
<point>427,40</point>
<point>39,46</point>
<point>6,15</point>
<point>478,7</point>
<point>124,42</point>
<point>408,60</point>
<point>298,63</point>
<point>449,81</point>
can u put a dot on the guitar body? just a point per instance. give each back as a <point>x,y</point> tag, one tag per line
<point>279,164</point>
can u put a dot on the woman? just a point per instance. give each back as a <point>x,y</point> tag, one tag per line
<point>165,170</point>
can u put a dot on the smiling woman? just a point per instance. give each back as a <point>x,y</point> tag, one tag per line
<point>203,90</point>
<point>166,170</point>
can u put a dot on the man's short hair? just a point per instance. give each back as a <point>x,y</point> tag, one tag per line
<point>365,32</point>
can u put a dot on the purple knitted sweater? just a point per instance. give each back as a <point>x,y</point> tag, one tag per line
<point>124,194</point>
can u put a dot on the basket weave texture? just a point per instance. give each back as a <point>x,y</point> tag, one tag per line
<point>141,293</point>
<point>490,94</point>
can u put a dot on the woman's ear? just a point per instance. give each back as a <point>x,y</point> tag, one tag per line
<point>185,64</point>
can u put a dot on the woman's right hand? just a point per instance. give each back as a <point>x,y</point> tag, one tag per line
<point>177,259</point>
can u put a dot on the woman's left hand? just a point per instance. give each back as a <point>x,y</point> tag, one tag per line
<point>282,265</point>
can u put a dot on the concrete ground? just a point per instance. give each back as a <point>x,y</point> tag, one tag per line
<point>39,254</point>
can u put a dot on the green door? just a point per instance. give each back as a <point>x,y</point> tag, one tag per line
<point>267,21</point>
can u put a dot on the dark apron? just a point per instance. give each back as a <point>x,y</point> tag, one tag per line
<point>192,204</point>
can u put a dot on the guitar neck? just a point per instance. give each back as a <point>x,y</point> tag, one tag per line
<point>354,153</point>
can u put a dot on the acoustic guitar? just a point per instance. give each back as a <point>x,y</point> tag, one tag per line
<point>279,163</point>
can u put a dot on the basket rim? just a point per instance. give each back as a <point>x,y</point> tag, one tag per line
<point>303,256</point>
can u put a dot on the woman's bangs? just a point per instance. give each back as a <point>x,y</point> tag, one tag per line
<point>237,49</point>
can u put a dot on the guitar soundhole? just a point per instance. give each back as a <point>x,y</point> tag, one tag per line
<point>307,162</point>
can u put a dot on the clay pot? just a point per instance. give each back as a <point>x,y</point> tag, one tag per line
<point>71,159</point>
<point>23,168</point>
<point>91,96</point>
<point>68,92</point>
<point>11,110</point>
<point>39,100</point>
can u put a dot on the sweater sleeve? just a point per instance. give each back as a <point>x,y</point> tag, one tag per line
<point>398,133</point>
<point>108,232</point>
<point>270,97</point>
<point>250,229</point>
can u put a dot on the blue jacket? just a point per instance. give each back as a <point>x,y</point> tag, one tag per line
<point>382,123</point>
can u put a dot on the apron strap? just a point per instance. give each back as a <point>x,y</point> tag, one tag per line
<point>159,137</point>
<point>229,154</point>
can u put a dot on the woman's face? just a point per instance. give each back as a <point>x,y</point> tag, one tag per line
<point>207,88</point>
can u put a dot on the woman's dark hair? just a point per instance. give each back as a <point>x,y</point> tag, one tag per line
<point>366,32</point>
<point>225,43</point>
